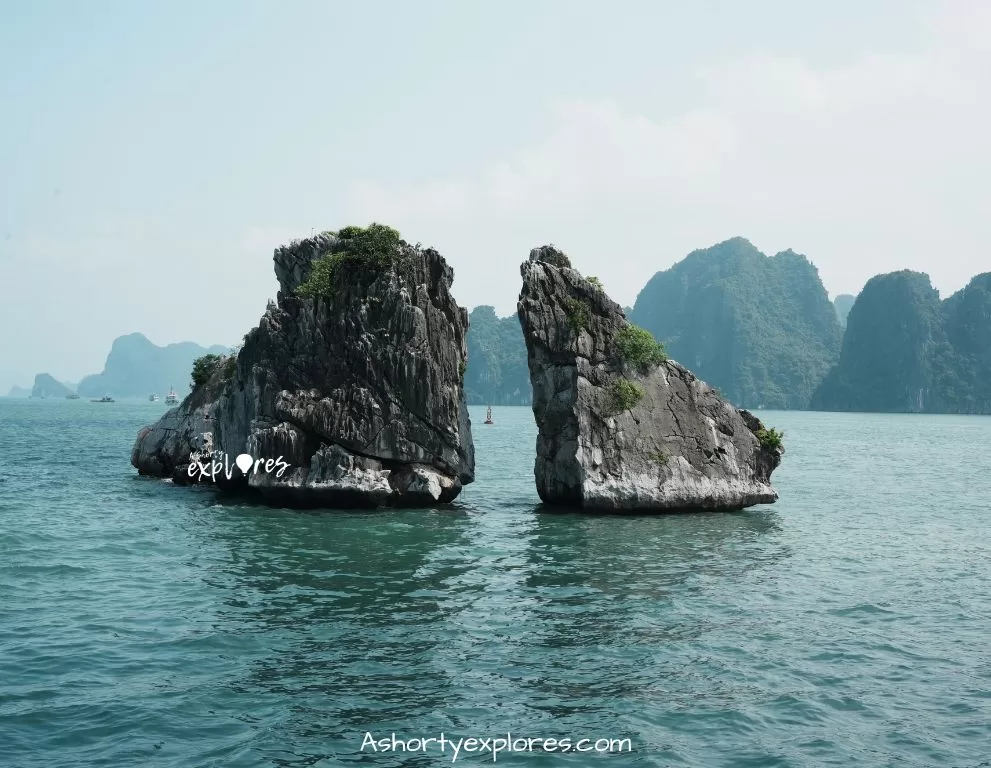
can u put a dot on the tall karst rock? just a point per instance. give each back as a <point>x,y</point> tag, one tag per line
<point>352,382</point>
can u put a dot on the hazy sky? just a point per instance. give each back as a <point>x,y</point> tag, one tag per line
<point>152,154</point>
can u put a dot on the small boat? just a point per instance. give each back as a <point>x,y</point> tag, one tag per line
<point>488,416</point>
<point>73,396</point>
<point>153,398</point>
<point>104,399</point>
<point>171,398</point>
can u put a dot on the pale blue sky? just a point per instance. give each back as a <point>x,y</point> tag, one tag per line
<point>152,155</point>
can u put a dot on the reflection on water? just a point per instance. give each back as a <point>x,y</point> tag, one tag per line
<point>342,617</point>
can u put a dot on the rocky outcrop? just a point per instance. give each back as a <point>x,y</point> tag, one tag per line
<point>354,397</point>
<point>617,430</point>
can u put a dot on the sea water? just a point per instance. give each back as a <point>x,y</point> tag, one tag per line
<point>143,624</point>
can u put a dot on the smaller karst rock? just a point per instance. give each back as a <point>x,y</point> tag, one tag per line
<point>621,427</point>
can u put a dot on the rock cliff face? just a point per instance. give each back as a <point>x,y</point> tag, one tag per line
<point>615,432</point>
<point>355,395</point>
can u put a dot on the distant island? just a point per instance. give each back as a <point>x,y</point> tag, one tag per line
<point>46,385</point>
<point>905,351</point>
<point>761,329</point>
<point>135,367</point>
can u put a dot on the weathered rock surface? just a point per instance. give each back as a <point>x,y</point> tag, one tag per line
<point>682,446</point>
<point>358,395</point>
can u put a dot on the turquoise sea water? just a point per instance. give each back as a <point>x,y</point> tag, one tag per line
<point>849,624</point>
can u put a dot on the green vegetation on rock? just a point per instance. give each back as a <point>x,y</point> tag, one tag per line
<point>230,367</point>
<point>659,457</point>
<point>637,346</point>
<point>370,248</point>
<point>771,438</point>
<point>761,329</point>
<point>204,368</point>
<point>553,256</point>
<point>579,313</point>
<point>623,395</point>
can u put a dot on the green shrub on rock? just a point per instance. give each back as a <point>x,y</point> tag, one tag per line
<point>203,369</point>
<point>230,367</point>
<point>638,347</point>
<point>371,248</point>
<point>623,395</point>
<point>579,313</point>
<point>771,439</point>
<point>553,256</point>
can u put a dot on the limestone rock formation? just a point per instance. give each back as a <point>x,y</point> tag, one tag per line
<point>619,427</point>
<point>352,391</point>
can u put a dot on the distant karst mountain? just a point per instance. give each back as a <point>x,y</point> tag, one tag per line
<point>843,303</point>
<point>46,385</point>
<point>906,351</point>
<point>135,367</point>
<point>496,371</point>
<point>19,392</point>
<point>761,329</point>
